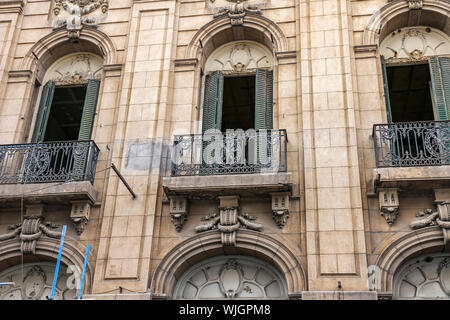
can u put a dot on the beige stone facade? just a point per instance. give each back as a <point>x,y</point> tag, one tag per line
<point>333,224</point>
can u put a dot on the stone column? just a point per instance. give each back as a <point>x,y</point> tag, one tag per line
<point>336,251</point>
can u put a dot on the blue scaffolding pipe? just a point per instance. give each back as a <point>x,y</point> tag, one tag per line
<point>84,271</point>
<point>55,279</point>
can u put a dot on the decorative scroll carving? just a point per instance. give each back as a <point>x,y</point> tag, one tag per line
<point>73,14</point>
<point>389,204</point>
<point>236,9</point>
<point>29,232</point>
<point>228,222</point>
<point>440,217</point>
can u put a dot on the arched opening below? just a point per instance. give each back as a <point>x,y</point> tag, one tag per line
<point>231,277</point>
<point>423,277</point>
<point>34,281</point>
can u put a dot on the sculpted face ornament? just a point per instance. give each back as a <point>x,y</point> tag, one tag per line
<point>73,14</point>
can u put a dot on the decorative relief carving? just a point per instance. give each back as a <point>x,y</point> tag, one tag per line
<point>389,204</point>
<point>80,215</point>
<point>229,221</point>
<point>30,231</point>
<point>178,211</point>
<point>415,4</point>
<point>239,57</point>
<point>73,14</point>
<point>235,9</point>
<point>440,217</point>
<point>414,44</point>
<point>75,69</point>
<point>280,208</point>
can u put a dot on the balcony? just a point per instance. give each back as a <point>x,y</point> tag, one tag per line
<point>407,152</point>
<point>235,162</point>
<point>66,167</point>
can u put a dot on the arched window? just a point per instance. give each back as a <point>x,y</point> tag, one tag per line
<point>238,90</point>
<point>425,277</point>
<point>68,99</point>
<point>231,277</point>
<point>33,281</point>
<point>416,74</point>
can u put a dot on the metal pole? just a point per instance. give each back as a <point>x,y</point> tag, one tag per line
<point>7,283</point>
<point>123,180</point>
<point>84,272</point>
<point>55,279</point>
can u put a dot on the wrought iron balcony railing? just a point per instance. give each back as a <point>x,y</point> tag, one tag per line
<point>407,144</point>
<point>232,152</point>
<point>48,162</point>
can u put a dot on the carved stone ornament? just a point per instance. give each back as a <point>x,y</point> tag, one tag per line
<point>74,14</point>
<point>30,231</point>
<point>239,56</point>
<point>228,222</point>
<point>280,208</point>
<point>80,215</point>
<point>415,4</point>
<point>75,69</point>
<point>440,217</point>
<point>178,211</point>
<point>235,9</point>
<point>389,204</point>
<point>414,44</point>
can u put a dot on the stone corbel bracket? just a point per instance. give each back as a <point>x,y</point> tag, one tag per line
<point>280,208</point>
<point>178,211</point>
<point>80,215</point>
<point>389,204</point>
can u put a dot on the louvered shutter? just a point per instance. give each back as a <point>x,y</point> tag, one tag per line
<point>213,101</point>
<point>82,149</point>
<point>44,111</point>
<point>90,104</point>
<point>440,83</point>
<point>263,112</point>
<point>264,99</point>
<point>386,90</point>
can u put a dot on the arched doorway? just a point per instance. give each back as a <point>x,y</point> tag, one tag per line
<point>231,277</point>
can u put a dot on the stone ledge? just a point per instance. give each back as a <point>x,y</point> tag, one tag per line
<point>235,184</point>
<point>52,192</point>
<point>339,295</point>
<point>119,296</point>
<point>426,176</point>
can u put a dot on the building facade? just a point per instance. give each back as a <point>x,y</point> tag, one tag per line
<point>225,149</point>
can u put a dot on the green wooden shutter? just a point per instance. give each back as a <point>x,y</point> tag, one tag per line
<point>264,110</point>
<point>82,149</point>
<point>386,90</point>
<point>44,111</point>
<point>90,104</point>
<point>213,101</point>
<point>440,83</point>
<point>264,99</point>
